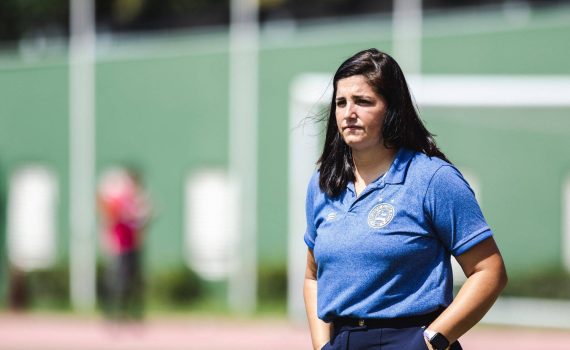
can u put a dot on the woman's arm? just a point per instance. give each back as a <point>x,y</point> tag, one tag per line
<point>320,330</point>
<point>486,278</point>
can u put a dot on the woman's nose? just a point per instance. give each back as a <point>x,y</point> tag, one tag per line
<point>349,112</point>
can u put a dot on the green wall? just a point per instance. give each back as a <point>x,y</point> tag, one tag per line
<point>33,125</point>
<point>521,157</point>
<point>162,103</point>
<point>169,116</point>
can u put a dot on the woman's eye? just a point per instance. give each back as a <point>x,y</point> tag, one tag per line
<point>340,103</point>
<point>364,102</point>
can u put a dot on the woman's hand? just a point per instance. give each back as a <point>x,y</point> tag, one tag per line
<point>320,347</point>
<point>320,330</point>
<point>429,345</point>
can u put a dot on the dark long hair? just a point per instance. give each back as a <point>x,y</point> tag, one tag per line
<point>402,125</point>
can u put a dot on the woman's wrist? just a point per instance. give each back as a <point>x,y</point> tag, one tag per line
<point>322,345</point>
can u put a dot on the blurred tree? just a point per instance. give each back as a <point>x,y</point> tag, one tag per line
<point>144,15</point>
<point>125,11</point>
<point>25,19</point>
<point>29,18</point>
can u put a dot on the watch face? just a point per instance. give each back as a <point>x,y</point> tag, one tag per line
<point>439,342</point>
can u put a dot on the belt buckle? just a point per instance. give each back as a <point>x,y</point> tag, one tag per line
<point>361,323</point>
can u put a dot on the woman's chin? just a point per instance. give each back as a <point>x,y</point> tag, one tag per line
<point>353,140</point>
<point>359,144</point>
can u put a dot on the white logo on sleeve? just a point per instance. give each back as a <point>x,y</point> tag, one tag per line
<point>331,216</point>
<point>381,215</point>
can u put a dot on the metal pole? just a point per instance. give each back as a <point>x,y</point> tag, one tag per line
<point>566,223</point>
<point>407,35</point>
<point>308,93</point>
<point>243,84</point>
<point>82,154</point>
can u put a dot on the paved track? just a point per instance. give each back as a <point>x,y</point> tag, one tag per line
<point>26,332</point>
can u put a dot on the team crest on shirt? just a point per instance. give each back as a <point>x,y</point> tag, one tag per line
<point>381,215</point>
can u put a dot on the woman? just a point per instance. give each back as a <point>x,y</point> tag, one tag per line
<point>125,213</point>
<point>384,213</point>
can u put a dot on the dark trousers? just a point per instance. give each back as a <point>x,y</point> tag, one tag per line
<point>125,287</point>
<point>403,334</point>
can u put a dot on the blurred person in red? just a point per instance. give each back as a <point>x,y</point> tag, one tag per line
<point>125,213</point>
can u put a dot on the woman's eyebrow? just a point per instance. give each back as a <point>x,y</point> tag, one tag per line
<point>361,96</point>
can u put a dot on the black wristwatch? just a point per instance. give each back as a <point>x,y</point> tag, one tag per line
<point>437,340</point>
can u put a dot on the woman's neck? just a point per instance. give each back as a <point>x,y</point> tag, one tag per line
<point>371,163</point>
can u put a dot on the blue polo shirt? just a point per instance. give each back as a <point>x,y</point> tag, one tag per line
<point>387,252</point>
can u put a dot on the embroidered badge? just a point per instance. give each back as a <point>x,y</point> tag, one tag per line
<point>381,215</point>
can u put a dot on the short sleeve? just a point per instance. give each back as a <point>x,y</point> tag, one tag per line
<point>454,212</point>
<point>311,231</point>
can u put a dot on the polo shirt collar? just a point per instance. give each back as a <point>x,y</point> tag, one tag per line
<point>397,172</point>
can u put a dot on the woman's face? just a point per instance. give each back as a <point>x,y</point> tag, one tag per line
<point>360,113</point>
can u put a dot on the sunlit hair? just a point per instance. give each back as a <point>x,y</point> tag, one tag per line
<point>402,125</point>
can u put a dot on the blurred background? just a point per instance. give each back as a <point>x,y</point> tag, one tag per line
<point>214,104</point>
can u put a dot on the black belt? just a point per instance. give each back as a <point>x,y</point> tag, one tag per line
<point>398,322</point>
